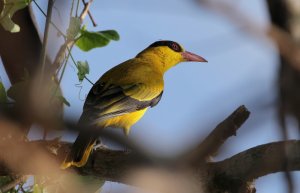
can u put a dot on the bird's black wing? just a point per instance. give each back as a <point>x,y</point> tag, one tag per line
<point>107,101</point>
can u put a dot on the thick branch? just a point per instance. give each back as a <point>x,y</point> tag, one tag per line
<point>113,165</point>
<point>103,163</point>
<point>262,160</point>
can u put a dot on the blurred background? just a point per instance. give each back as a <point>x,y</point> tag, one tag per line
<point>243,68</point>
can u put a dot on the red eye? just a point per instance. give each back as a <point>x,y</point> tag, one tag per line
<point>175,47</point>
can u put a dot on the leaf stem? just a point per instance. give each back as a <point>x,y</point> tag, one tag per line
<point>69,51</point>
<point>63,70</point>
<point>37,5</point>
<point>61,75</point>
<point>72,58</point>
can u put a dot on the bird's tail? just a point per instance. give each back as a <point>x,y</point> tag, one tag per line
<point>80,151</point>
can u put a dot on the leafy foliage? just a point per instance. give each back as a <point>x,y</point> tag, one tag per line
<point>9,9</point>
<point>110,34</point>
<point>4,180</point>
<point>85,40</point>
<point>83,69</point>
<point>90,40</point>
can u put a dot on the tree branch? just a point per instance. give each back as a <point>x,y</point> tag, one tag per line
<point>69,43</point>
<point>89,12</point>
<point>262,160</point>
<point>227,128</point>
<point>113,165</point>
<point>103,163</point>
<point>234,174</point>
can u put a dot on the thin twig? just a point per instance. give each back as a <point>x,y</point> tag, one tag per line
<point>92,19</point>
<point>63,70</point>
<point>72,58</point>
<point>77,8</point>
<point>45,39</point>
<point>72,7</point>
<point>86,9</point>
<point>53,24</point>
<point>66,45</point>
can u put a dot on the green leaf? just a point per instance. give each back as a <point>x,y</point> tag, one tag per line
<point>83,69</point>
<point>4,180</point>
<point>110,34</point>
<point>90,40</point>
<point>74,28</point>
<point>3,96</point>
<point>63,100</point>
<point>9,9</point>
<point>17,90</point>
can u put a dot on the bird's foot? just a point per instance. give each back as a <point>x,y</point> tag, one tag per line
<point>99,145</point>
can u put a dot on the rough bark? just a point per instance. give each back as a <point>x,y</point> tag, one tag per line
<point>234,175</point>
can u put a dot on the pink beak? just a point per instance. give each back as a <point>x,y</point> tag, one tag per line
<point>191,57</point>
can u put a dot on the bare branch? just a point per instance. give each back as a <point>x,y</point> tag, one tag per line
<point>220,134</point>
<point>103,163</point>
<point>113,165</point>
<point>262,160</point>
<point>86,10</point>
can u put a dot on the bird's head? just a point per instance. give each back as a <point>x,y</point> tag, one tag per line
<point>168,54</point>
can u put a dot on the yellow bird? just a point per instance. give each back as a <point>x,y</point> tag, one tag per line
<point>124,93</point>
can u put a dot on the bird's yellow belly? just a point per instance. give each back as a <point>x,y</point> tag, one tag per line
<point>124,121</point>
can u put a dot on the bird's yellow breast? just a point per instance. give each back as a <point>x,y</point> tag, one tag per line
<point>137,71</point>
<point>123,121</point>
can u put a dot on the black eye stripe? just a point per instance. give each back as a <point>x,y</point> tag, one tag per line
<point>173,45</point>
